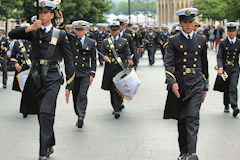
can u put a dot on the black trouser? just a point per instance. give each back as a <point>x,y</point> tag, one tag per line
<point>163,52</point>
<point>4,70</point>
<point>46,116</point>
<point>188,129</point>
<point>231,95</point>
<point>151,55</point>
<point>116,99</point>
<point>47,138</point>
<point>80,90</point>
<point>100,57</point>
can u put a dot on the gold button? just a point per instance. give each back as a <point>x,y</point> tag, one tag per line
<point>184,60</point>
<point>110,57</point>
<point>21,56</point>
<point>194,65</point>
<point>77,50</point>
<point>84,52</point>
<point>181,46</point>
<point>76,44</point>
<point>236,49</point>
<point>188,70</point>
<point>184,66</point>
<point>228,53</point>
<point>75,64</point>
<point>195,59</point>
<point>28,55</point>
<point>115,62</point>
<point>226,48</point>
<point>233,57</point>
<point>116,49</point>
<point>227,56</point>
<point>40,41</point>
<point>82,65</point>
<point>77,57</point>
<point>29,45</point>
<point>110,54</point>
<point>184,73</point>
<point>194,72</point>
<point>185,53</point>
<point>120,45</point>
<point>234,53</point>
<point>84,59</point>
<point>110,50</point>
<point>196,52</point>
<point>28,50</point>
<point>199,46</point>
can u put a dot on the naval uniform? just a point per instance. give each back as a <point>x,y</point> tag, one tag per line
<point>3,58</point>
<point>163,37</point>
<point>47,76</point>
<point>113,68</point>
<point>100,36</point>
<point>84,59</point>
<point>186,64</point>
<point>228,59</point>
<point>151,46</point>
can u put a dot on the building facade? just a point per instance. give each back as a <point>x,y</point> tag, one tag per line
<point>166,10</point>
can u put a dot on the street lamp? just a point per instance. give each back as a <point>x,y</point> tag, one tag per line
<point>129,11</point>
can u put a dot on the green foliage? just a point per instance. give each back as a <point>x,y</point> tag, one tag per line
<point>89,10</point>
<point>218,10</point>
<point>135,6</point>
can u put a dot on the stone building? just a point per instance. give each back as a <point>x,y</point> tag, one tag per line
<point>166,10</point>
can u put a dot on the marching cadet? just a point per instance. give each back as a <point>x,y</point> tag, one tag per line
<point>112,67</point>
<point>21,57</point>
<point>197,25</point>
<point>3,55</point>
<point>68,28</point>
<point>187,78</point>
<point>84,59</point>
<point>100,35</point>
<point>89,32</point>
<point>151,44</point>
<point>141,38</point>
<point>127,34</point>
<point>136,42</point>
<point>228,61</point>
<point>47,51</point>
<point>163,38</point>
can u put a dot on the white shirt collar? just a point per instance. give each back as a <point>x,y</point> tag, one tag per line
<point>48,28</point>
<point>116,38</point>
<point>83,39</point>
<point>233,40</point>
<point>186,35</point>
<point>121,33</point>
<point>150,33</point>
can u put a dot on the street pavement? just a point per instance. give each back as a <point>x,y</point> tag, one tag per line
<point>139,134</point>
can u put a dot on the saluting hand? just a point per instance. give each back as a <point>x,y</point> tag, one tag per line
<point>175,89</point>
<point>35,26</point>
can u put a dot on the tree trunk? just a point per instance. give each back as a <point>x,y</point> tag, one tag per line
<point>6,28</point>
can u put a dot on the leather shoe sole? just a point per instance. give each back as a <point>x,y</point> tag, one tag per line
<point>79,123</point>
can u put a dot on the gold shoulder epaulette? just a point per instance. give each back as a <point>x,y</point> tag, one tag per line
<point>171,36</point>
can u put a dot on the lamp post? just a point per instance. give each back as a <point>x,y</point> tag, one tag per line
<point>129,11</point>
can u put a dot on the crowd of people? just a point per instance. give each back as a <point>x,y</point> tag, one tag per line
<point>36,50</point>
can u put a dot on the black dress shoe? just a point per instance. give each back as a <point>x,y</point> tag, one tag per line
<point>116,115</point>
<point>79,123</point>
<point>182,156</point>
<point>235,112</point>
<point>42,158</point>
<point>226,109</point>
<point>50,151</point>
<point>25,115</point>
<point>4,86</point>
<point>192,156</point>
<point>122,107</point>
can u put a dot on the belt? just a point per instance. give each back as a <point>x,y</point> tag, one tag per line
<point>45,62</point>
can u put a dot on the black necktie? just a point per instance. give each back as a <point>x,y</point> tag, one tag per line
<point>80,44</point>
<point>189,37</point>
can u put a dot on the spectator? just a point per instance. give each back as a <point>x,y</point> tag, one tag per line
<point>218,33</point>
<point>211,37</point>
